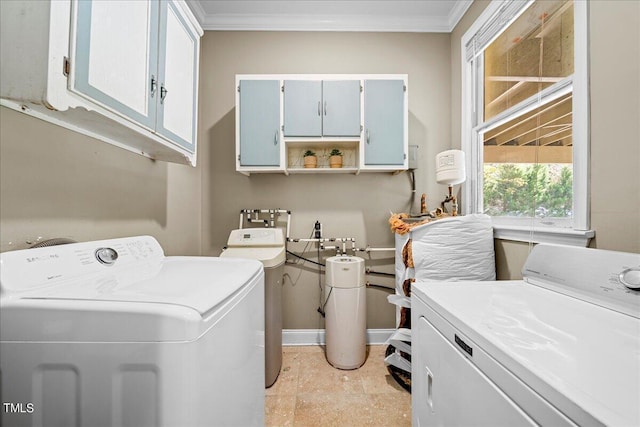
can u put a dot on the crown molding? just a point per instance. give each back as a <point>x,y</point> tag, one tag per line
<point>198,11</point>
<point>264,22</point>
<point>420,23</point>
<point>458,12</point>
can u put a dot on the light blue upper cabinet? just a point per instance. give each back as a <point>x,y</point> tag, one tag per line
<point>302,108</point>
<point>177,78</point>
<point>341,108</point>
<point>123,72</point>
<point>279,117</point>
<point>314,108</point>
<point>259,127</point>
<point>116,47</point>
<point>384,122</point>
<point>139,59</point>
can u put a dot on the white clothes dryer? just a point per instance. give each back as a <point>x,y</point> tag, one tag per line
<point>113,332</point>
<point>559,348</point>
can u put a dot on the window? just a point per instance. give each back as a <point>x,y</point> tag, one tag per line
<point>525,119</point>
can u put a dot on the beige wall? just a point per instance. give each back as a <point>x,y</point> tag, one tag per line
<point>615,123</point>
<point>614,37</point>
<point>347,205</point>
<point>57,183</point>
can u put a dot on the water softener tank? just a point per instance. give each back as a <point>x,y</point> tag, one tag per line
<point>345,312</point>
<point>267,246</point>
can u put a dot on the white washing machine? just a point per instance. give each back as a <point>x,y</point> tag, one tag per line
<point>559,348</point>
<point>113,333</point>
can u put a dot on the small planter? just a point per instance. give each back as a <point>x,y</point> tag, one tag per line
<point>335,158</point>
<point>335,161</point>
<point>310,159</point>
<point>310,162</point>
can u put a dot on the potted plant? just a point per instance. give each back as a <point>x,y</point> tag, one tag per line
<point>310,159</point>
<point>335,158</point>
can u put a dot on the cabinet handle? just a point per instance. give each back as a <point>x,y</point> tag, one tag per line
<point>163,93</point>
<point>368,139</point>
<point>325,108</point>
<point>275,138</point>
<point>319,109</point>
<point>154,85</point>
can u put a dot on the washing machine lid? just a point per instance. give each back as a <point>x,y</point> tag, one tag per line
<point>175,297</point>
<point>582,358</point>
<point>198,283</point>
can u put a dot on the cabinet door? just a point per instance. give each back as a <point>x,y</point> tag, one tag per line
<point>384,118</point>
<point>259,123</point>
<point>341,108</point>
<point>302,108</point>
<point>115,56</point>
<point>177,78</point>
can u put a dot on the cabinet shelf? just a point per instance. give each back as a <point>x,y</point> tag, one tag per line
<point>295,157</point>
<point>351,170</point>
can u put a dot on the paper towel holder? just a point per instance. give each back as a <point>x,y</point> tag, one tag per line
<point>450,170</point>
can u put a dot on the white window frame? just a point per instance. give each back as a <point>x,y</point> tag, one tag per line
<point>497,17</point>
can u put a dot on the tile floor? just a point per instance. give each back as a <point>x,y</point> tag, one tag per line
<point>310,392</point>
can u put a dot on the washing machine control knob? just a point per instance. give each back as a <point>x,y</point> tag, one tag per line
<point>106,256</point>
<point>631,278</point>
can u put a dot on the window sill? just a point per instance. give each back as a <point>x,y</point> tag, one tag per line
<point>562,236</point>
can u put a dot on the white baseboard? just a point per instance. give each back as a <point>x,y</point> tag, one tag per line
<point>293,337</point>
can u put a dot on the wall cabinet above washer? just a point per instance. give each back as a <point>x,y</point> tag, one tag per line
<point>259,123</point>
<point>384,123</point>
<point>122,72</point>
<point>365,116</point>
<point>322,108</point>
